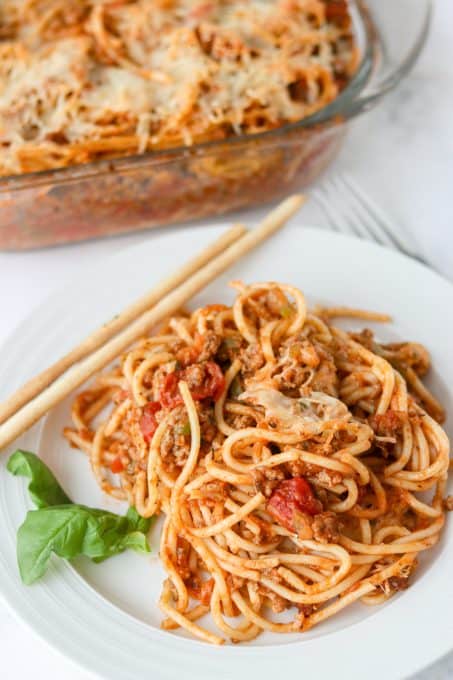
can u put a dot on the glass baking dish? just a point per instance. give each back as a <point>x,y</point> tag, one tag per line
<point>161,187</point>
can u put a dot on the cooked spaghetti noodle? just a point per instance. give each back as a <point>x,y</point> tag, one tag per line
<point>88,79</point>
<point>285,455</point>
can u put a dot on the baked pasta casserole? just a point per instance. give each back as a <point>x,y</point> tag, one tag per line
<point>87,79</point>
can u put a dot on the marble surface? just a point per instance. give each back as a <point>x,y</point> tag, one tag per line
<point>401,154</point>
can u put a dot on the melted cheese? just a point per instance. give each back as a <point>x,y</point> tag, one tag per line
<point>296,415</point>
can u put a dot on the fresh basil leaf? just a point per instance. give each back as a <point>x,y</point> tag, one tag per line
<point>136,541</point>
<point>137,522</point>
<point>71,530</point>
<point>43,488</point>
<point>66,529</point>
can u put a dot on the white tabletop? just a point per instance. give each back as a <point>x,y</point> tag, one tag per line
<point>401,154</point>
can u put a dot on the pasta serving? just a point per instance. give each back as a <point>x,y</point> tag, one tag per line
<point>286,456</point>
<point>88,79</point>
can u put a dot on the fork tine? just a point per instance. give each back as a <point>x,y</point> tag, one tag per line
<point>325,195</point>
<point>354,214</point>
<point>321,195</point>
<point>348,209</point>
<point>376,217</point>
<point>317,194</point>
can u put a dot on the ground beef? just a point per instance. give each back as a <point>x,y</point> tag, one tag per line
<point>306,609</point>
<point>159,378</point>
<point>238,422</point>
<point>229,348</point>
<point>213,492</point>
<point>208,427</point>
<point>175,442</point>
<point>396,583</point>
<point>208,344</point>
<point>204,348</point>
<point>324,476</point>
<point>326,527</point>
<point>325,379</point>
<point>301,351</point>
<point>328,477</point>
<point>175,446</point>
<point>251,358</point>
<point>400,581</point>
<point>388,424</point>
<point>277,602</point>
<point>187,355</point>
<point>291,377</point>
<point>194,376</point>
<point>267,479</point>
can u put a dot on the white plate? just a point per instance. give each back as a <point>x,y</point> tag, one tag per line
<point>105,616</point>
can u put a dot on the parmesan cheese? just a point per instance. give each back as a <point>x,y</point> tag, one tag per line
<point>158,72</point>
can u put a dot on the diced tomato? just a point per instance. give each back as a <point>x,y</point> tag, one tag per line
<point>293,496</point>
<point>214,385</point>
<point>211,388</point>
<point>169,394</point>
<point>202,591</point>
<point>116,465</point>
<point>148,422</point>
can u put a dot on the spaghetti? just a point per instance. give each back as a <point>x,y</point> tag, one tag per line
<point>91,79</point>
<point>285,455</point>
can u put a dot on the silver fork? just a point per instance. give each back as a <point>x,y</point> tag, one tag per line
<point>349,210</point>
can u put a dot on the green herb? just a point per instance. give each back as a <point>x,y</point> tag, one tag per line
<point>66,529</point>
<point>231,342</point>
<point>137,522</point>
<point>286,311</point>
<point>184,429</point>
<point>236,388</point>
<point>44,489</point>
<point>71,530</point>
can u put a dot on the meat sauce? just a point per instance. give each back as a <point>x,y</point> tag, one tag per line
<point>291,499</point>
<point>205,381</point>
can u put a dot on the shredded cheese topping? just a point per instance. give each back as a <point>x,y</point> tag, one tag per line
<point>92,78</point>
